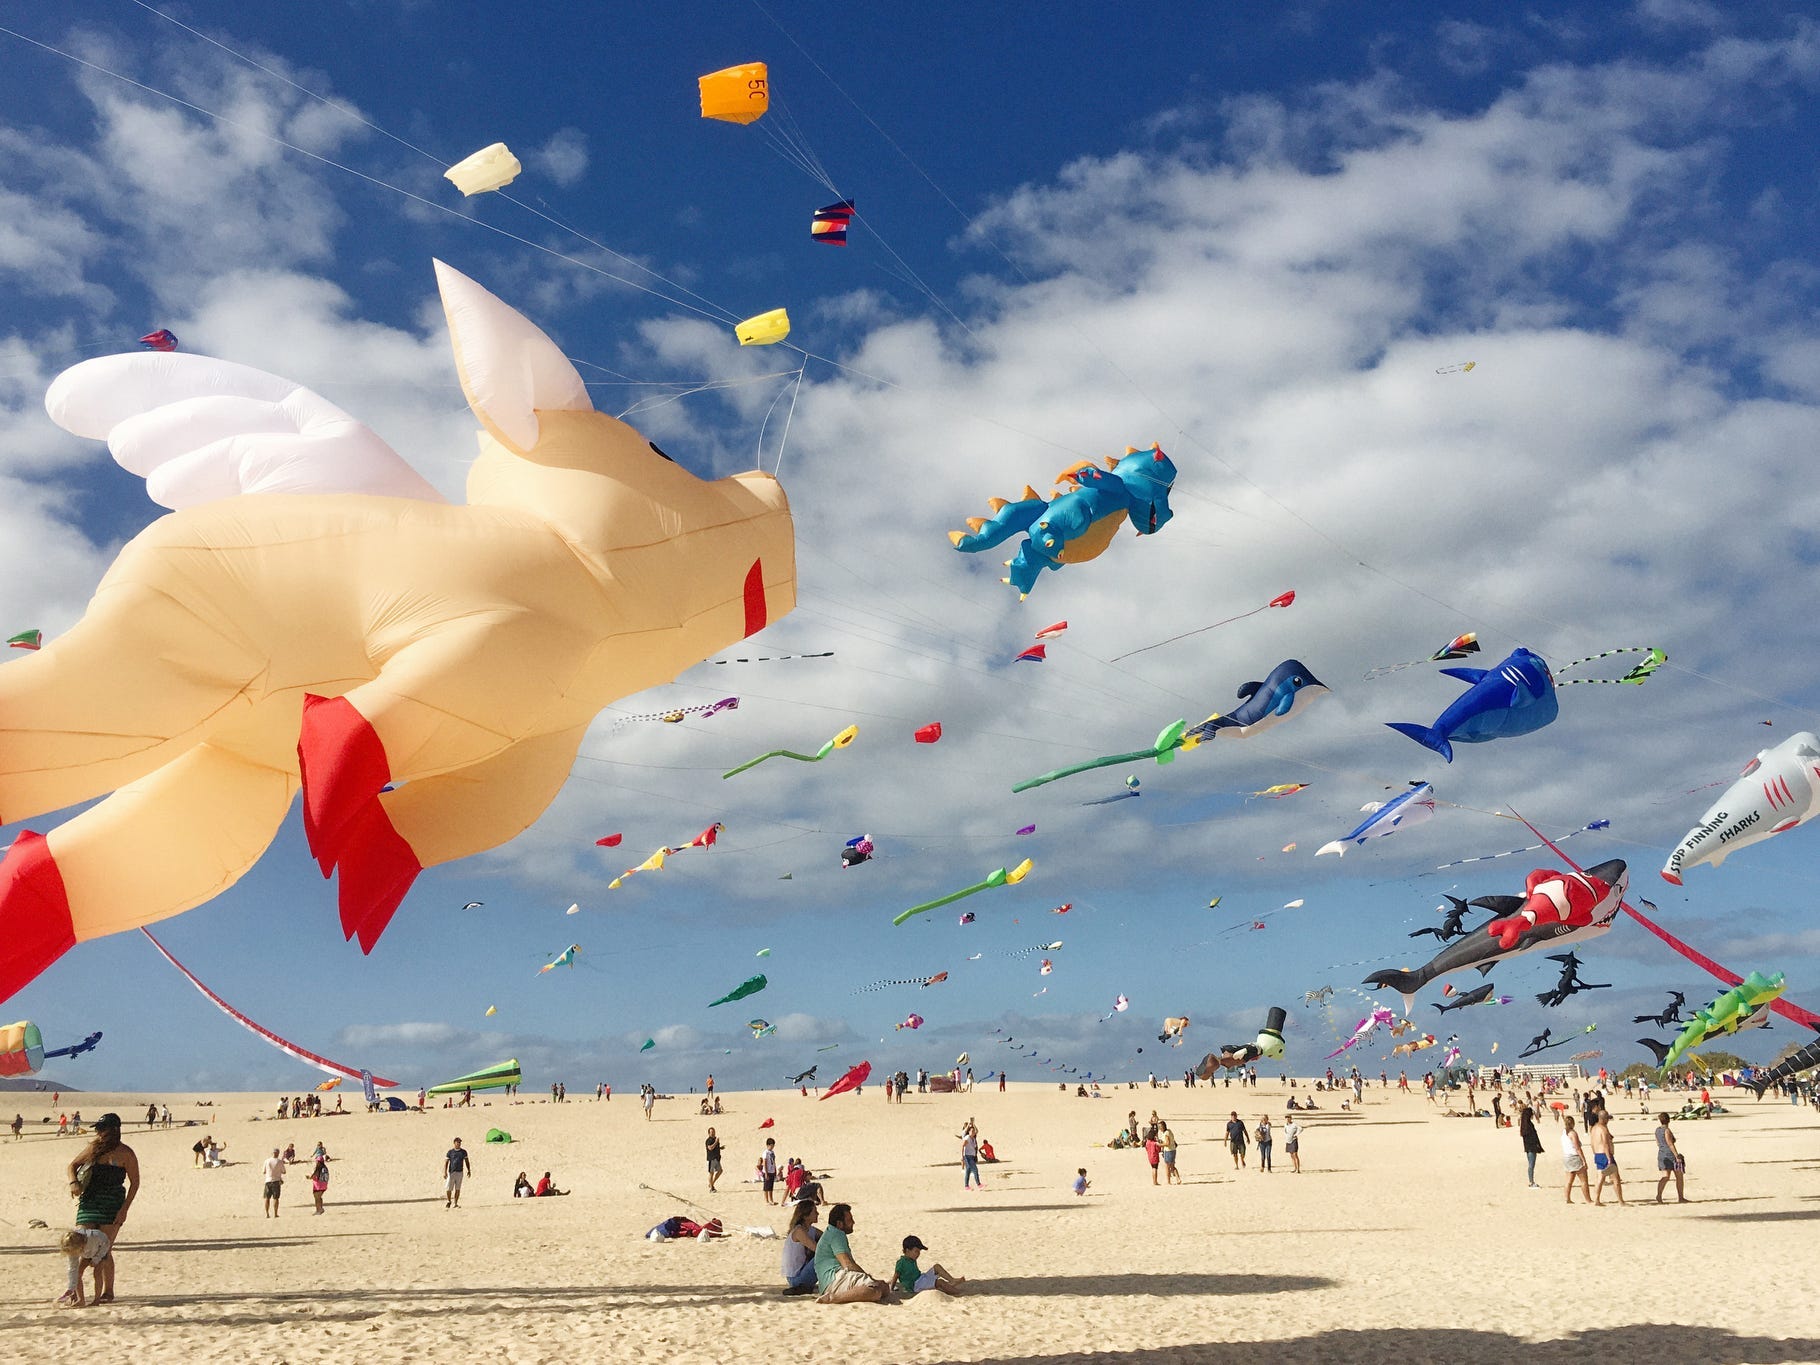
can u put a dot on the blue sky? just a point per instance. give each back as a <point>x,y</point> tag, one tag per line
<point>1250,234</point>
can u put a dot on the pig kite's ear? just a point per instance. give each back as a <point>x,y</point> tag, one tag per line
<point>509,369</point>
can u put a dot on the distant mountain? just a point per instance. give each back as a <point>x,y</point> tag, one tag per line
<point>48,1085</point>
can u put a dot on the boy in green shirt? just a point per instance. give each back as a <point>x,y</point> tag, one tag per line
<point>913,1279</point>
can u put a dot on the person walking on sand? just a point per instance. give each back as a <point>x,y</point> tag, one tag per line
<point>319,1176</point>
<point>970,1157</point>
<point>1605,1156</point>
<point>1573,1157</point>
<point>713,1146</point>
<point>1292,1145</point>
<point>1153,1150</point>
<point>274,1169</point>
<point>456,1163</point>
<point>1167,1137</point>
<point>650,1100</point>
<point>1669,1160</point>
<point>1236,1139</point>
<point>1532,1141</point>
<point>1266,1139</point>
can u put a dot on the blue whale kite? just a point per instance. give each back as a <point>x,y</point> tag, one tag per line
<point>1077,525</point>
<point>1290,688</point>
<point>1515,698</point>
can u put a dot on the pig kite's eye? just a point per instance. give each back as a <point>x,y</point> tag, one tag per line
<point>653,445</point>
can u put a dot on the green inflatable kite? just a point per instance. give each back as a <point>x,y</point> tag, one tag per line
<point>752,985</point>
<point>495,1077</point>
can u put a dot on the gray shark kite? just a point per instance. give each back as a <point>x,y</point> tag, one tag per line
<point>1522,924</point>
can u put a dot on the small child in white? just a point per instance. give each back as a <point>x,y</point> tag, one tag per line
<point>1080,1180</point>
<point>86,1247</point>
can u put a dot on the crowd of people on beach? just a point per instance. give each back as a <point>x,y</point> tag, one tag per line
<point>104,1177</point>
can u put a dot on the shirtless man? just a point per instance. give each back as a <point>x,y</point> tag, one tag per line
<point>1605,1156</point>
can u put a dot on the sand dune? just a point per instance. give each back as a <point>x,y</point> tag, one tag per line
<point>1409,1237</point>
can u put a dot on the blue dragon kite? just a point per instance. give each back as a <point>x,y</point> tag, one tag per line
<point>1077,525</point>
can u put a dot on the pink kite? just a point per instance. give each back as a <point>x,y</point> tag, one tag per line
<point>1055,629</point>
<point>853,1080</point>
<point>611,841</point>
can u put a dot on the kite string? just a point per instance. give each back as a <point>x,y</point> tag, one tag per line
<point>272,138</point>
<point>796,391</point>
<point>1186,634</point>
<point>358,117</point>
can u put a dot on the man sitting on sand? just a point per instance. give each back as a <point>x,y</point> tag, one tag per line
<point>840,1278</point>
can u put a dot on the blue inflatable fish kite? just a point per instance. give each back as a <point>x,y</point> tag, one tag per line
<point>1387,817</point>
<point>1515,698</point>
<point>1290,688</point>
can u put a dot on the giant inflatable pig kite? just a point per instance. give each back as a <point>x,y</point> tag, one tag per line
<point>313,616</point>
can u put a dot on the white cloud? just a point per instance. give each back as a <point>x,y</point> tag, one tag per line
<point>419,1034</point>
<point>564,158</point>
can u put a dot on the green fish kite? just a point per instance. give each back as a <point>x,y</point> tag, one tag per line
<point>752,985</point>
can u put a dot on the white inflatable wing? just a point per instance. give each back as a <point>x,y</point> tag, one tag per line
<point>198,429</point>
<point>1779,789</point>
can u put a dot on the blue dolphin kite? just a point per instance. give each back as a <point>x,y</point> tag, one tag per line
<point>1515,698</point>
<point>1290,688</point>
<point>1077,525</point>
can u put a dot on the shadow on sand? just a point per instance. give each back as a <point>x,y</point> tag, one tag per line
<point>1159,1286</point>
<point>1764,1216</point>
<point>1661,1345</point>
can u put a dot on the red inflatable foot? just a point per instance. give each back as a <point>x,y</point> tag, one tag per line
<point>342,765</point>
<point>377,867</point>
<point>35,928</point>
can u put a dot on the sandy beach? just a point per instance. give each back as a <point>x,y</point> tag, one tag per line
<point>1409,1236</point>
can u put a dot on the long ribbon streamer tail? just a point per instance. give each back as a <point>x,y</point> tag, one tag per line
<point>775,753</point>
<point>939,903</point>
<point>1113,761</point>
<point>1786,1008</point>
<point>291,1049</point>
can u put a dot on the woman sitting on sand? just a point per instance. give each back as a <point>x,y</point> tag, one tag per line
<point>521,1187</point>
<point>799,1248</point>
